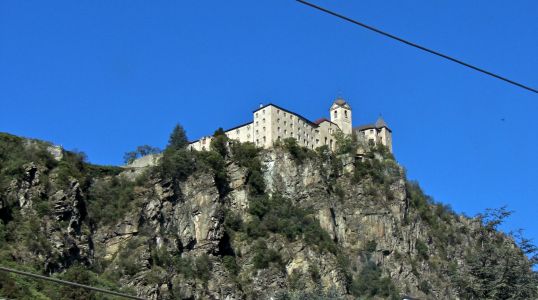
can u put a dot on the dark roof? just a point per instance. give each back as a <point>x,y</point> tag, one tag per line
<point>244,124</point>
<point>290,112</point>
<point>320,120</point>
<point>380,123</point>
<point>341,102</point>
<point>364,127</point>
<point>377,125</point>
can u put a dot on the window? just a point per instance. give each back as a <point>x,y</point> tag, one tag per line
<point>264,139</point>
<point>345,113</point>
<point>263,128</point>
<point>256,115</point>
<point>278,138</point>
<point>256,123</point>
<point>256,131</point>
<point>317,141</point>
<point>263,111</point>
<point>257,142</point>
<point>325,140</point>
<point>237,131</point>
<point>278,120</point>
<point>278,111</point>
<point>335,114</point>
<point>278,129</point>
<point>285,132</point>
<point>263,120</point>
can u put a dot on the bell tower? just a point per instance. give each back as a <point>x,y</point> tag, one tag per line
<point>341,115</point>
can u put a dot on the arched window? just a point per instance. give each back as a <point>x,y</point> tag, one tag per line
<point>345,113</point>
<point>335,114</point>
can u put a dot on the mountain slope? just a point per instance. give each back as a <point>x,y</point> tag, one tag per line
<point>244,223</point>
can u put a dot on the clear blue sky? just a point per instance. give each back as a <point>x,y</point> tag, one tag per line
<point>106,76</point>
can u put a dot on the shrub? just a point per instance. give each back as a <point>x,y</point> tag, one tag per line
<point>264,256</point>
<point>110,199</point>
<point>177,164</point>
<point>422,250</point>
<point>278,215</point>
<point>219,143</point>
<point>370,283</point>
<point>298,153</point>
<point>230,264</point>
<point>246,155</point>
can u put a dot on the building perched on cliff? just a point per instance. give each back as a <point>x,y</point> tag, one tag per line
<point>272,123</point>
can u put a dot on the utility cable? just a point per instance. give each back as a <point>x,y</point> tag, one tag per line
<point>417,46</point>
<point>69,283</point>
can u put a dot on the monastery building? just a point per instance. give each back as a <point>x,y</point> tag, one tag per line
<point>272,123</point>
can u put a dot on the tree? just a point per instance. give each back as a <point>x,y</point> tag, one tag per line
<point>140,151</point>
<point>219,143</point>
<point>497,266</point>
<point>178,139</point>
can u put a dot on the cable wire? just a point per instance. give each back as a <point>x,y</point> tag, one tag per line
<point>416,45</point>
<point>69,283</point>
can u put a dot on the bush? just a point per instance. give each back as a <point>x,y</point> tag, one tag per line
<point>422,250</point>
<point>177,164</point>
<point>278,215</point>
<point>110,199</point>
<point>246,155</point>
<point>230,264</point>
<point>298,153</point>
<point>370,283</point>
<point>219,143</point>
<point>263,256</point>
<point>215,162</point>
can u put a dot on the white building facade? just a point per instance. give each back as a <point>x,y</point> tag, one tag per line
<point>272,123</point>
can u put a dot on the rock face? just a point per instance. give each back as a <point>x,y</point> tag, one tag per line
<point>194,239</point>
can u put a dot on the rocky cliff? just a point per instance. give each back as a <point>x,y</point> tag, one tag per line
<point>245,223</point>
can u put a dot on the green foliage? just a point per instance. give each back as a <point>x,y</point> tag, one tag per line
<point>371,283</point>
<point>230,264</point>
<point>110,199</point>
<point>215,162</point>
<point>219,143</point>
<point>278,215</point>
<point>264,256</point>
<point>246,155</point>
<point>298,153</point>
<point>81,274</point>
<point>495,267</point>
<point>422,249</point>
<point>178,139</point>
<point>371,246</point>
<point>345,143</point>
<point>15,152</point>
<point>140,151</point>
<point>177,164</point>
<point>199,267</point>
<point>71,166</point>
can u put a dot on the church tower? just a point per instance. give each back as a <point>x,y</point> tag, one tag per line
<point>341,115</point>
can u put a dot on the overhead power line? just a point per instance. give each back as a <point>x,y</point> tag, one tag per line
<point>417,46</point>
<point>69,283</point>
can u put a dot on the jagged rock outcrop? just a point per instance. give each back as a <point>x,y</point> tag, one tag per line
<point>328,225</point>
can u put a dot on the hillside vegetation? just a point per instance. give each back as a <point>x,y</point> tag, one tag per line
<point>240,222</point>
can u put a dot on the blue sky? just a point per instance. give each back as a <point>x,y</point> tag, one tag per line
<point>106,76</point>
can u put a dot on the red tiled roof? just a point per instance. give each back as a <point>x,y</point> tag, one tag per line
<point>320,120</point>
